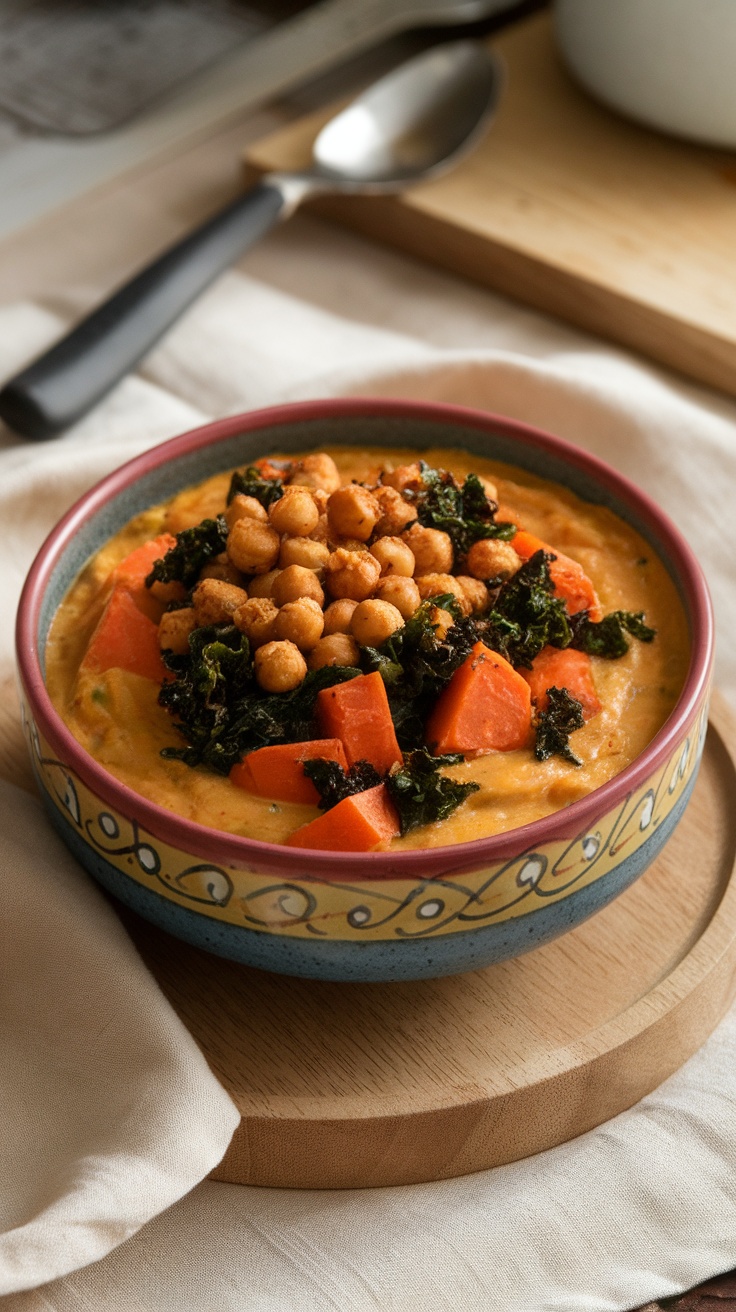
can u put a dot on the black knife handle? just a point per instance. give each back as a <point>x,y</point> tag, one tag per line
<point>66,381</point>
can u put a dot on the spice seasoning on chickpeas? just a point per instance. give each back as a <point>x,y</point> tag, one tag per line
<point>397,614</point>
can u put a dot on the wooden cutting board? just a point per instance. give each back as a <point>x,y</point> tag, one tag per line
<point>572,209</point>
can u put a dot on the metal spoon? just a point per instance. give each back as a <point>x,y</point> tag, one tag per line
<point>411,125</point>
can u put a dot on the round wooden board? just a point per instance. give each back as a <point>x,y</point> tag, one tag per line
<point>343,1086</point>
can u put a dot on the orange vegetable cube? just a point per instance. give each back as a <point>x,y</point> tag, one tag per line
<point>277,772</point>
<point>358,713</point>
<point>570,580</point>
<point>554,668</point>
<point>132,572</point>
<point>125,639</point>
<point>357,824</point>
<point>485,707</point>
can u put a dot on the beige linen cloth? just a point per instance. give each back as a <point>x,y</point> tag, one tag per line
<point>109,1115</point>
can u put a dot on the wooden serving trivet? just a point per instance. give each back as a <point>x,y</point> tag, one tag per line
<point>573,209</point>
<point>366,1084</point>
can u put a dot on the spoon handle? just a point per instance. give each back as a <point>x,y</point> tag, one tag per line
<point>66,381</point>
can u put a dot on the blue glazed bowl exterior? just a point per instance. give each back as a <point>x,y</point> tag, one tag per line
<point>375,916</point>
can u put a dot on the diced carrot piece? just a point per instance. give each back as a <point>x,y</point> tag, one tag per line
<point>132,572</point>
<point>125,639</point>
<point>357,824</point>
<point>485,707</point>
<point>555,668</point>
<point>277,772</point>
<point>357,712</point>
<point>569,578</point>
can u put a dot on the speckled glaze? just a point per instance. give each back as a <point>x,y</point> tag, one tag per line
<point>361,916</point>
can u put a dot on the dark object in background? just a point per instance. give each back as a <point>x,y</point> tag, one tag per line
<point>81,66</point>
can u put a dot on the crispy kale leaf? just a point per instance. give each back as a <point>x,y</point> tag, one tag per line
<point>421,794</point>
<point>607,638</point>
<point>251,483</point>
<point>463,512</point>
<point>564,714</point>
<point>221,711</point>
<point>194,547</point>
<point>335,784</point>
<point>416,664</point>
<point>526,615</point>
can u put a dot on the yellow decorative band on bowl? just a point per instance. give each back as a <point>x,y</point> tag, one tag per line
<point>377,910</point>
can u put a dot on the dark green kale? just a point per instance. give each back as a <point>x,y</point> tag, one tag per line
<point>415,664</point>
<point>335,784</point>
<point>607,637</point>
<point>251,483</point>
<point>421,794</point>
<point>564,714</point>
<point>526,615</point>
<point>194,547</point>
<point>210,681</point>
<point>465,513</point>
<point>220,709</point>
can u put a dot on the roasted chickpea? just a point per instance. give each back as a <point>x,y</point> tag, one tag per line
<point>215,602</point>
<point>351,574</point>
<point>374,621</point>
<point>300,622</point>
<point>442,622</point>
<point>262,584</point>
<point>491,559</point>
<point>294,513</point>
<point>320,498</point>
<point>337,649</point>
<point>322,531</point>
<point>476,593</point>
<point>221,567</point>
<point>347,544</point>
<point>433,585</point>
<point>280,667</point>
<point>303,551</point>
<point>338,616</point>
<point>318,471</point>
<point>253,547</point>
<point>396,513</point>
<point>174,630</point>
<point>255,618</point>
<point>401,592</point>
<point>352,512</point>
<point>294,582</point>
<point>394,557</point>
<point>242,507</point>
<point>166,592</point>
<point>432,549</point>
<point>402,477</point>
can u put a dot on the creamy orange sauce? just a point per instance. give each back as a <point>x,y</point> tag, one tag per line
<point>117,719</point>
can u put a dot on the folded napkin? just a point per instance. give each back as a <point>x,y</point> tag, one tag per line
<point>109,1114</point>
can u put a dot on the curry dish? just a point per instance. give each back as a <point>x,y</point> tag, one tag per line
<point>357,649</point>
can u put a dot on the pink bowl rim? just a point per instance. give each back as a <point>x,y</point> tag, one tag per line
<point>236,851</point>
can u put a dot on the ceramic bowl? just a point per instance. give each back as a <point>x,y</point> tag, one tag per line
<point>667,63</point>
<point>363,916</point>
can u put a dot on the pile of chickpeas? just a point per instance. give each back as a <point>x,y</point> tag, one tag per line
<point>329,569</point>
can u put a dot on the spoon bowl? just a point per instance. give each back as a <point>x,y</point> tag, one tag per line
<point>414,123</point>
